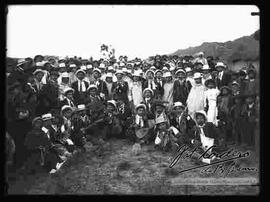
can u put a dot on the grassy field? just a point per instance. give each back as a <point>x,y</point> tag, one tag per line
<point>116,170</point>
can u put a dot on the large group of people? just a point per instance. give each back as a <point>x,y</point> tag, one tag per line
<point>56,105</point>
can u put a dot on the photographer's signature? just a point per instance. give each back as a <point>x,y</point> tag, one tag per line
<point>224,165</point>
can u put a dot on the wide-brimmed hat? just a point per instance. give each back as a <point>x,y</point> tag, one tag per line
<point>180,70</point>
<point>65,75</point>
<point>197,75</point>
<point>102,66</point>
<point>140,106</point>
<point>62,65</point>
<point>178,104</point>
<point>149,70</point>
<point>38,71</point>
<point>112,102</point>
<point>46,117</point>
<point>119,72</point>
<point>158,71</point>
<point>66,107</point>
<point>110,68</point>
<point>235,83</point>
<point>201,112</point>
<point>68,90</point>
<point>109,74</point>
<point>72,65</point>
<point>97,70</point>
<point>137,73</point>
<point>89,66</point>
<point>205,67</point>
<point>81,107</point>
<point>161,119</point>
<point>188,69</point>
<point>38,118</point>
<point>92,86</point>
<point>80,70</point>
<point>148,89</point>
<point>220,64</point>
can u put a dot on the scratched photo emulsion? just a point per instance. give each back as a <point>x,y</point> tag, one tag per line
<point>132,100</point>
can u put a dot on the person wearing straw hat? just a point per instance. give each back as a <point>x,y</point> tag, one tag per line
<point>64,82</point>
<point>148,97</point>
<point>135,90</point>
<point>206,73</point>
<point>210,101</point>
<point>120,87</point>
<point>101,85</point>
<point>195,100</point>
<point>168,89</point>
<point>200,58</point>
<point>183,122</point>
<point>38,74</point>
<point>93,95</point>
<point>180,87</point>
<point>189,77</point>
<point>150,81</point>
<point>80,87</point>
<point>109,81</point>
<point>68,98</point>
<point>224,77</point>
<point>159,80</point>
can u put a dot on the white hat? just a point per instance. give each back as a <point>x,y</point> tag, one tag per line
<point>148,89</point>
<point>153,68</point>
<point>102,66</point>
<point>62,64</point>
<point>236,83</point>
<point>178,104</point>
<point>200,53</point>
<point>67,90</point>
<point>110,68</point>
<point>119,72</point>
<point>149,70</point>
<point>92,86</point>
<point>80,70</point>
<point>72,65</point>
<point>65,107</point>
<point>97,70</point>
<point>136,73</point>
<point>158,70</point>
<point>165,68</point>
<point>172,68</point>
<point>140,105</point>
<point>197,75</point>
<point>113,102</point>
<point>38,118</point>
<point>121,64</point>
<point>81,107</point>
<point>188,69</point>
<point>37,71</point>
<point>109,74</point>
<point>46,117</point>
<point>89,66</point>
<point>83,67</point>
<point>205,67</point>
<point>64,74</point>
<point>180,70</point>
<point>115,65</point>
<point>161,119</point>
<point>220,64</point>
<point>40,64</point>
<point>201,112</point>
<point>124,69</point>
<point>167,74</point>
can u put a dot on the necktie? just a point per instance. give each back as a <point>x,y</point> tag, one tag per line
<point>80,86</point>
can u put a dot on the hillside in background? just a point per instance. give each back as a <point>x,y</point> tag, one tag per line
<point>245,48</point>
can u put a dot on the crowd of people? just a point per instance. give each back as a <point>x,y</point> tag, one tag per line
<point>56,105</point>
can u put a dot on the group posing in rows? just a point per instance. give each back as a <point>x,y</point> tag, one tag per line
<point>55,106</point>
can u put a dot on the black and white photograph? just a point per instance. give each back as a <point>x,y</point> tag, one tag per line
<point>132,100</point>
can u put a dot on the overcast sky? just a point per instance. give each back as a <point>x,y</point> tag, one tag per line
<point>136,31</point>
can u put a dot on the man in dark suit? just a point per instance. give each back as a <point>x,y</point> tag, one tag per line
<point>224,78</point>
<point>80,86</point>
<point>120,87</point>
<point>101,85</point>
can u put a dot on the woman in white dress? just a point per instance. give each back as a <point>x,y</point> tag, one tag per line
<point>195,100</point>
<point>136,90</point>
<point>210,101</point>
<point>168,89</point>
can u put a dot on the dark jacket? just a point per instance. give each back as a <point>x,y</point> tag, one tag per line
<point>209,129</point>
<point>226,79</point>
<point>180,91</point>
<point>120,90</point>
<point>102,87</point>
<point>79,97</point>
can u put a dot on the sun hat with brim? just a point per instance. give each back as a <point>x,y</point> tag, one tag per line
<point>165,68</point>
<point>72,65</point>
<point>92,86</point>
<point>119,72</point>
<point>137,73</point>
<point>220,64</point>
<point>140,106</point>
<point>113,103</point>
<point>62,65</point>
<point>38,118</point>
<point>38,71</point>
<point>148,89</point>
<point>21,62</point>
<point>110,68</point>
<point>235,83</point>
<point>153,68</point>
<point>161,119</point>
<point>205,67</point>
<point>66,107</point>
<point>109,75</point>
<point>89,66</point>
<point>180,70</point>
<point>81,107</point>
<point>46,117</point>
<point>149,70</point>
<point>197,75</point>
<point>198,62</point>
<point>167,74</point>
<point>201,112</point>
<point>178,104</point>
<point>67,90</point>
<point>102,66</point>
<point>80,70</point>
<point>97,70</point>
<point>188,69</point>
